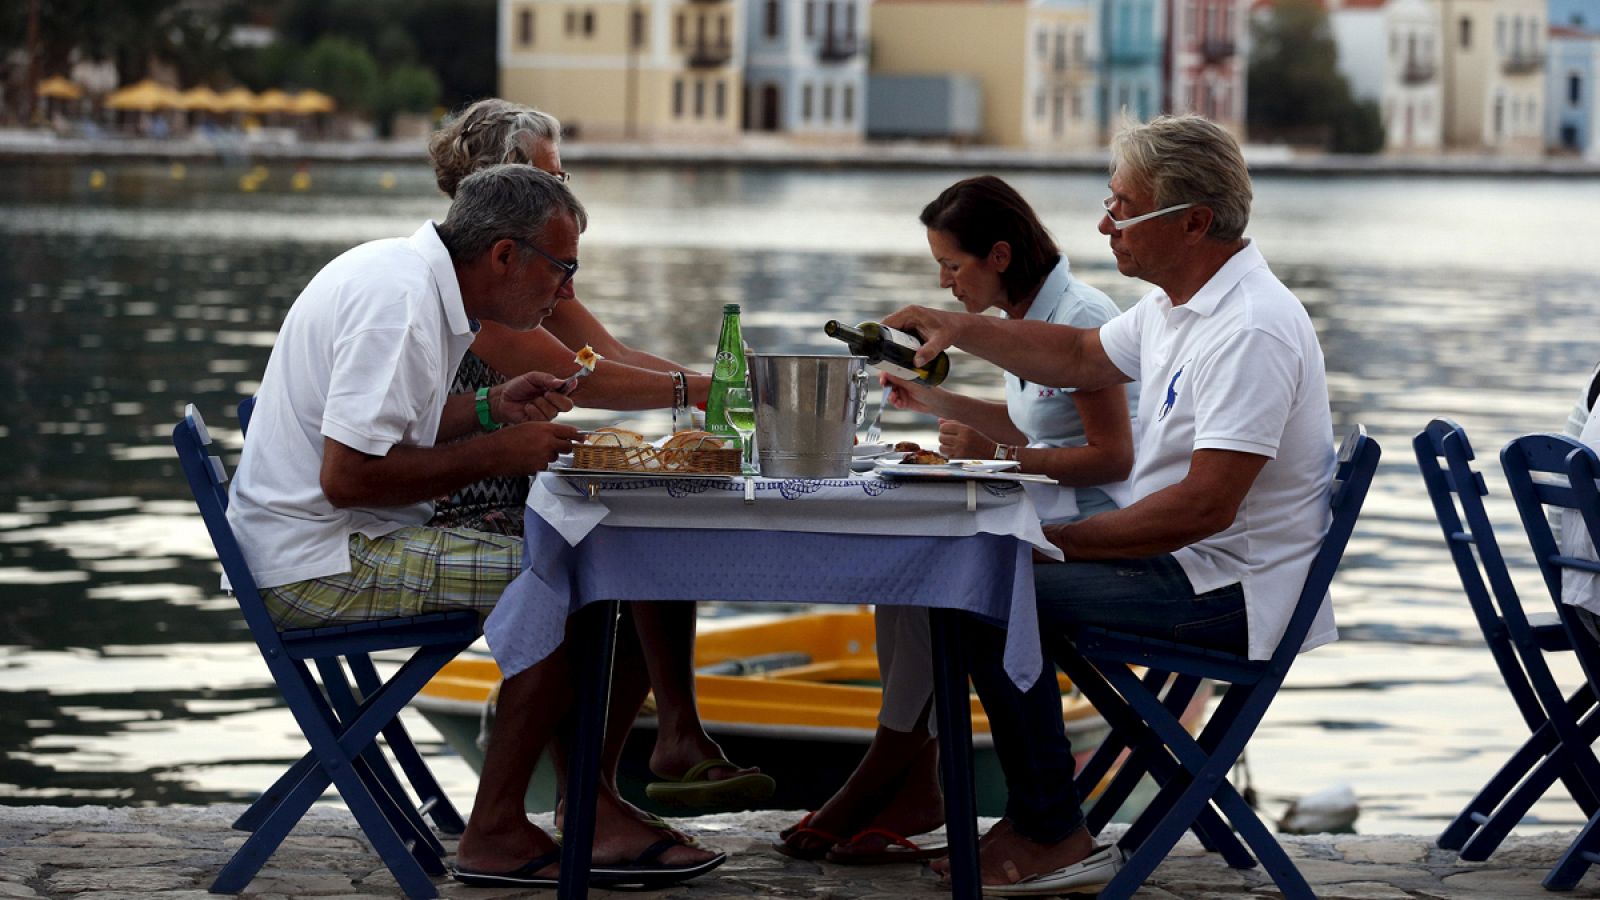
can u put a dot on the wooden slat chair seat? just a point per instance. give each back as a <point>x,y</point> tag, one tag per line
<point>1517,641</point>
<point>341,728</point>
<point>1547,473</point>
<point>1193,770</point>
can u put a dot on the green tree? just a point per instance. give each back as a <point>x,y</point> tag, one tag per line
<point>1295,89</point>
<point>405,89</point>
<point>342,69</point>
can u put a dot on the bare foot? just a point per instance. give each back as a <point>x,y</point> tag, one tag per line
<point>502,847</point>
<point>620,838</point>
<point>671,759</point>
<point>1006,857</point>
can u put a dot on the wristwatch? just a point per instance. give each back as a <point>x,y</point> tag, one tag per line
<point>1005,451</point>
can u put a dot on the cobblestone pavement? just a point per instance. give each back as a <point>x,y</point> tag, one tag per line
<point>99,853</point>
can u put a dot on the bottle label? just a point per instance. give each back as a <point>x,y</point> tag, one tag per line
<point>900,372</point>
<point>902,338</point>
<point>726,367</point>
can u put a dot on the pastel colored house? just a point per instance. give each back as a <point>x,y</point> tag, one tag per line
<point>647,69</point>
<point>1206,64</point>
<point>1133,37</point>
<point>1573,100</point>
<point>1494,75</point>
<point>806,68</point>
<point>1389,53</point>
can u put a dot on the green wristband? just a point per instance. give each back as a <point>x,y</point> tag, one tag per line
<point>484,419</point>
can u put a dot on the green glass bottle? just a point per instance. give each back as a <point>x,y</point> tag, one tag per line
<point>727,372</point>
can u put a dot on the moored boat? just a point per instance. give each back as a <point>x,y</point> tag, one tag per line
<point>797,695</point>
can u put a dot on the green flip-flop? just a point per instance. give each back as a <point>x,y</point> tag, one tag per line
<point>694,791</point>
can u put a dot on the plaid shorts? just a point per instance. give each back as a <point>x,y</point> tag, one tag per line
<point>407,572</point>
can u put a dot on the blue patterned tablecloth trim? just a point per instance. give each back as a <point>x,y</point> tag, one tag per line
<point>787,488</point>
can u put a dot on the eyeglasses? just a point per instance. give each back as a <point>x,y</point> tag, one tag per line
<point>562,175</point>
<point>568,269</point>
<point>1125,224</point>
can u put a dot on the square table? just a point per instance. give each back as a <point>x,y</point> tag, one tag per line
<point>951,547</point>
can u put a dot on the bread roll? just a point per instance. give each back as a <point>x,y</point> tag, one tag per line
<point>693,440</point>
<point>611,436</point>
<point>907,447</point>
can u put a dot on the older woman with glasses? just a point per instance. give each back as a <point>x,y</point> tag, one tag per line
<point>694,771</point>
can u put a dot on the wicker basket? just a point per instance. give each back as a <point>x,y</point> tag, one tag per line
<point>694,460</point>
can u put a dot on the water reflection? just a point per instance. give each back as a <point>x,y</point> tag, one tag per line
<point>125,674</point>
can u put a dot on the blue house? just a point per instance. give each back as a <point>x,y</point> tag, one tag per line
<point>806,68</point>
<point>1572,109</point>
<point>1132,41</point>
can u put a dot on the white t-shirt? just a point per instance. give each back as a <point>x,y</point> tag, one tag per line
<point>365,357</point>
<point>1238,367</point>
<point>1580,588</point>
<point>1047,416</point>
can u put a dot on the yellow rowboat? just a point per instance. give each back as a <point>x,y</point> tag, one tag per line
<point>797,695</point>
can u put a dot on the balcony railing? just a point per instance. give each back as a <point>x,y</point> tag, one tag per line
<point>1132,56</point>
<point>1215,50</point>
<point>710,56</point>
<point>1522,62</point>
<point>1418,71</point>
<point>838,48</point>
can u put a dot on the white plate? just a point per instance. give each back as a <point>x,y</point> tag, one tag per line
<point>866,463</point>
<point>954,465</point>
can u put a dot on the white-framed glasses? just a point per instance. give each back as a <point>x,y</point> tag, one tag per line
<point>1125,224</point>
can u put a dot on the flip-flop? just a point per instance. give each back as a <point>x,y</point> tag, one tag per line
<point>521,876</point>
<point>647,872</point>
<point>802,829</point>
<point>897,849</point>
<point>1087,876</point>
<point>693,790</point>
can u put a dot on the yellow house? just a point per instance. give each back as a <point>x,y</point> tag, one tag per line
<point>626,69</point>
<point>1035,60</point>
<point>1494,75</point>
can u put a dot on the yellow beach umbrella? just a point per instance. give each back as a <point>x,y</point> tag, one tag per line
<point>273,100</point>
<point>59,88</point>
<point>309,103</point>
<point>240,99</point>
<point>145,96</point>
<point>200,98</point>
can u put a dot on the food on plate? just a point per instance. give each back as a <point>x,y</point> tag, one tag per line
<point>612,436</point>
<point>908,447</point>
<point>926,458</point>
<point>693,440</point>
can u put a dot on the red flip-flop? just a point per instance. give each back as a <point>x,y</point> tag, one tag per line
<point>803,828</point>
<point>897,849</point>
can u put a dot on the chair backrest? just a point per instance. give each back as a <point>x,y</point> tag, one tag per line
<point>1538,474</point>
<point>247,408</point>
<point>208,481</point>
<point>1352,477</point>
<point>1457,485</point>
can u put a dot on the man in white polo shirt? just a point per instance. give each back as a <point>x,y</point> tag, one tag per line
<point>1231,475</point>
<point>355,433</point>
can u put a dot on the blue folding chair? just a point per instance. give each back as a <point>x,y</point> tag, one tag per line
<point>1193,771</point>
<point>340,729</point>
<point>1518,643</point>
<point>431,800</point>
<point>1548,472</point>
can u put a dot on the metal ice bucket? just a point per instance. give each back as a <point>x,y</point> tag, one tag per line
<point>807,410</point>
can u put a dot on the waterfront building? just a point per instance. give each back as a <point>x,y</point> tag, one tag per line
<point>1035,62</point>
<point>1389,53</point>
<point>806,68</point>
<point>1494,81</point>
<point>609,69</point>
<point>1132,36</point>
<point>1205,61</point>
<point>1573,101</point>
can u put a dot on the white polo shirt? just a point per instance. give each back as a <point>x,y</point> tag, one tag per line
<point>1047,416</point>
<point>1238,367</point>
<point>365,357</point>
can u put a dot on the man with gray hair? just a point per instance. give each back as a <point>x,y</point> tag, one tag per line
<point>1231,473</point>
<point>355,433</point>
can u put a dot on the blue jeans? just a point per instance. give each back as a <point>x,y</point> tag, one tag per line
<point>1150,597</point>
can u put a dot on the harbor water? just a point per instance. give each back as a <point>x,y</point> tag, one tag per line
<point>131,289</point>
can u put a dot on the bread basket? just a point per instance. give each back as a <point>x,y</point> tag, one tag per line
<point>608,453</point>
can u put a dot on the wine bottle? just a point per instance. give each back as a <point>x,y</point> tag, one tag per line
<point>892,351</point>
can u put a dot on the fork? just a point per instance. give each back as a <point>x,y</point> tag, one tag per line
<point>875,433</point>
